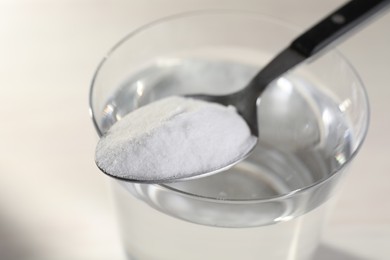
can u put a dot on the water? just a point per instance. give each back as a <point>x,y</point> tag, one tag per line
<point>149,234</point>
<point>304,139</point>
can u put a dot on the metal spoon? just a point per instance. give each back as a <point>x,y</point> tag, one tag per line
<point>305,46</point>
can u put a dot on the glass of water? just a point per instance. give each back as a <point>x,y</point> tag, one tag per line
<point>312,122</point>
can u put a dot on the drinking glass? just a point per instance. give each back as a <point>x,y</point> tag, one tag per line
<point>312,122</point>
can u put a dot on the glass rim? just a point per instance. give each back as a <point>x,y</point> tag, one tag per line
<point>263,17</point>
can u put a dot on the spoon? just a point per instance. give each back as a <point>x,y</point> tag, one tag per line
<point>309,44</point>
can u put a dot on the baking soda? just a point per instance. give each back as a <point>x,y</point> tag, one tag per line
<point>172,138</point>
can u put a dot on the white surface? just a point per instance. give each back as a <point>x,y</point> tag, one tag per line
<point>54,203</point>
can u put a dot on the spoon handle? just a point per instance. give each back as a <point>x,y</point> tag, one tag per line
<point>315,39</point>
<point>335,25</point>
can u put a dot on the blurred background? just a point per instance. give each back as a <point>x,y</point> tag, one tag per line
<point>56,205</point>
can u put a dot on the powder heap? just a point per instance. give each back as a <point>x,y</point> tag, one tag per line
<point>172,138</point>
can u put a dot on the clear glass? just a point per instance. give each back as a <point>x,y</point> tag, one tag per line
<point>312,122</point>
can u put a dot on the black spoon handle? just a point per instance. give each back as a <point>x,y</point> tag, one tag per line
<point>335,25</point>
<point>327,31</point>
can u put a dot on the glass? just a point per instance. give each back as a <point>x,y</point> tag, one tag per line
<point>312,122</point>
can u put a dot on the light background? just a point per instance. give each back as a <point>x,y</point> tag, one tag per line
<point>55,204</point>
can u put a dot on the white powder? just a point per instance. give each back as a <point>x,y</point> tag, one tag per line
<point>173,138</point>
